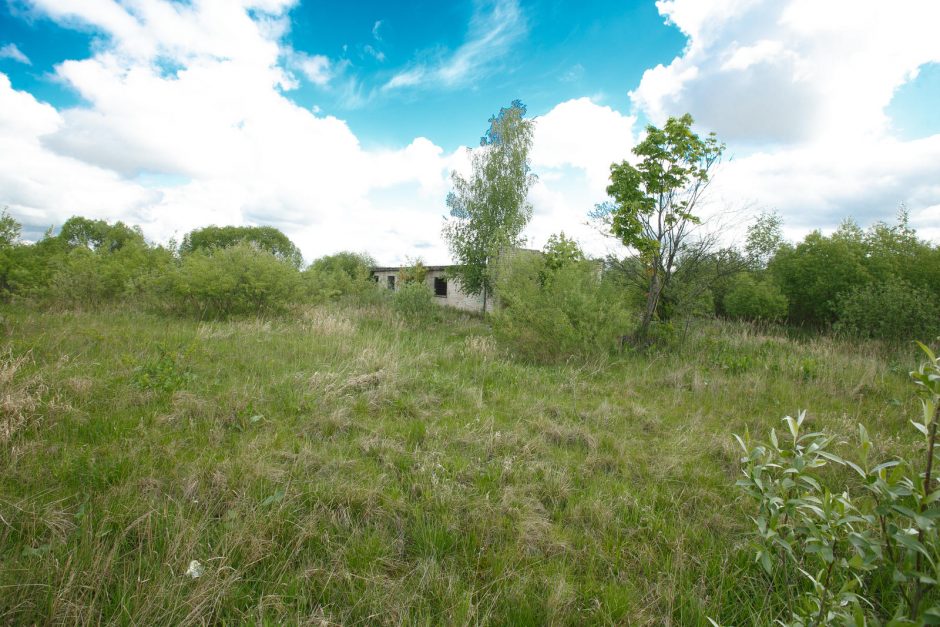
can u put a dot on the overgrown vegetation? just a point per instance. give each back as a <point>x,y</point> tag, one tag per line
<point>341,465</point>
<point>869,553</point>
<point>212,433</point>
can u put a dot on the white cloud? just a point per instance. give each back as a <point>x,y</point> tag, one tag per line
<point>496,26</point>
<point>317,68</point>
<point>11,51</point>
<point>799,90</point>
<point>764,70</point>
<point>184,123</point>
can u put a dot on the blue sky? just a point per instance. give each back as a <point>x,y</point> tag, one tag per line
<point>340,122</point>
<point>560,50</point>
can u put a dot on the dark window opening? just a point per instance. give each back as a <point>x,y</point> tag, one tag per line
<point>391,281</point>
<point>375,278</point>
<point>440,286</point>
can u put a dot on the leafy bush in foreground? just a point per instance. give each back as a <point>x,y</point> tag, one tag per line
<point>231,281</point>
<point>867,556</point>
<point>548,315</point>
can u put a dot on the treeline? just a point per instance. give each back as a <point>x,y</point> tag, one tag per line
<point>882,282</point>
<point>879,282</point>
<point>215,272</point>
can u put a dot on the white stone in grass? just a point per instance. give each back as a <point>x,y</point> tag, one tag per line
<point>195,569</point>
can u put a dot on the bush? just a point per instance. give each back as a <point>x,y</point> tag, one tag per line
<point>415,302</point>
<point>231,281</point>
<point>894,310</point>
<point>866,548</point>
<point>754,300</point>
<point>548,315</point>
<point>340,275</point>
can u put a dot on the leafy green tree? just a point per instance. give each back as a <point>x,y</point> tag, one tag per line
<point>752,299</point>
<point>893,310</point>
<point>764,239</point>
<point>413,272</point>
<point>654,202</point>
<point>10,229</point>
<point>98,234</point>
<point>335,276</point>
<point>814,272</point>
<point>263,237</point>
<point>489,209</point>
<point>561,251</point>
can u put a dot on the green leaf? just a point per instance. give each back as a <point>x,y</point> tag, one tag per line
<point>274,498</point>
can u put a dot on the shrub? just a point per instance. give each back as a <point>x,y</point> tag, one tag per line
<point>754,300</point>
<point>548,315</point>
<point>894,310</point>
<point>231,281</point>
<point>415,302</point>
<point>86,278</point>
<point>340,275</point>
<point>866,556</point>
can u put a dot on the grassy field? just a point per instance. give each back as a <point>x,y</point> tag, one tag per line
<point>345,467</point>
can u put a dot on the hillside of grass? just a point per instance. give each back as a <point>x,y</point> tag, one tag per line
<point>340,465</point>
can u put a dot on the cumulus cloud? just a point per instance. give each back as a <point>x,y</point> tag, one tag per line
<point>769,71</point>
<point>215,140</point>
<point>799,90</point>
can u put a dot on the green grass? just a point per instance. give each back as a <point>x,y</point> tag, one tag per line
<point>343,466</point>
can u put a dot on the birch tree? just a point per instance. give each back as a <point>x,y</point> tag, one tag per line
<point>489,208</point>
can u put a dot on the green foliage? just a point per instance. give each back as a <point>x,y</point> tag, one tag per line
<point>764,239</point>
<point>749,299</point>
<point>265,238</point>
<point>10,229</point>
<point>223,282</point>
<point>551,315</point>
<point>489,209</point>
<point>166,372</point>
<point>89,278</point>
<point>560,251</point>
<point>415,302</point>
<point>344,274</point>
<point>813,273</point>
<point>413,272</point>
<point>654,202</point>
<point>894,310</point>
<point>822,276</point>
<point>98,235</point>
<point>866,555</point>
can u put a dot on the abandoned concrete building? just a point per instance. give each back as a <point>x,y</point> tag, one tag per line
<point>446,290</point>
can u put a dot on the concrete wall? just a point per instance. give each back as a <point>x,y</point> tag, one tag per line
<point>455,297</point>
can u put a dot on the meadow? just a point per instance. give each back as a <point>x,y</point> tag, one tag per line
<point>341,464</point>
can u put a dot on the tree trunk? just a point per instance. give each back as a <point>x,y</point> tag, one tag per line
<point>484,299</point>
<point>652,302</point>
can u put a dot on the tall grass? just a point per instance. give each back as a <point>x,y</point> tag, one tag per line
<point>342,465</point>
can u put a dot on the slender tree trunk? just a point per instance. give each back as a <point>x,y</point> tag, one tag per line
<point>652,301</point>
<point>484,299</point>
